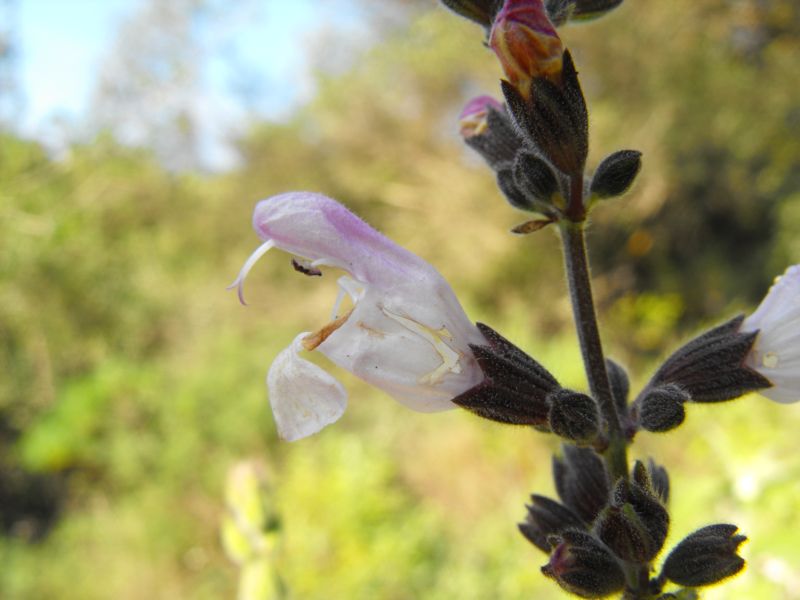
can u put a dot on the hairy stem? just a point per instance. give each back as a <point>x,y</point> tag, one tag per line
<point>580,290</point>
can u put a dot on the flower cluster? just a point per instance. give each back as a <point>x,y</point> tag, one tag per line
<point>397,324</point>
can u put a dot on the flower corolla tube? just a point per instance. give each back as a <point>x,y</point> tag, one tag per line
<point>406,332</point>
<point>776,351</point>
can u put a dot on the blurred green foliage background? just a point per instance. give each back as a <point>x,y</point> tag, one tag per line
<point>132,382</point>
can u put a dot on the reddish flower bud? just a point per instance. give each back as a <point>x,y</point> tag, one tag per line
<point>474,119</point>
<point>526,42</point>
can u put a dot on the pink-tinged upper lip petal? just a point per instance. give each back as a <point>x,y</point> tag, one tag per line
<point>406,333</point>
<point>320,229</point>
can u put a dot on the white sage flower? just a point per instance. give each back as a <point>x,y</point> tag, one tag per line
<point>406,333</point>
<point>776,351</point>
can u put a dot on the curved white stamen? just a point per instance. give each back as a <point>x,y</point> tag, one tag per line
<point>347,286</point>
<point>238,283</point>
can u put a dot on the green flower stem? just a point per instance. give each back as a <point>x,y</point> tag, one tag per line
<point>580,290</point>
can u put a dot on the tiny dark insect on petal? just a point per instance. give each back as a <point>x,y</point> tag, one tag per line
<point>305,268</point>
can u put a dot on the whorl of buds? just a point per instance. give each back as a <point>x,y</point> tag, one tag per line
<point>515,387</point>
<point>582,565</point>
<point>661,408</point>
<point>573,416</point>
<point>706,556</point>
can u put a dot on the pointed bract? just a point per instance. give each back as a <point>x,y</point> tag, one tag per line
<point>620,385</point>
<point>515,387</point>
<point>545,518</point>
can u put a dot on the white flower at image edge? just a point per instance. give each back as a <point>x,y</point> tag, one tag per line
<point>405,334</point>
<point>776,352</point>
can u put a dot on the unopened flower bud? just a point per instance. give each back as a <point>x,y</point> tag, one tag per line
<point>573,416</point>
<point>616,174</point>
<point>623,532</point>
<point>507,184</point>
<point>581,481</point>
<point>661,408</point>
<point>706,556</point>
<point>553,118</point>
<point>545,518</point>
<point>652,515</point>
<point>534,177</point>
<point>583,566</point>
<point>486,128</point>
<point>526,43</point>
